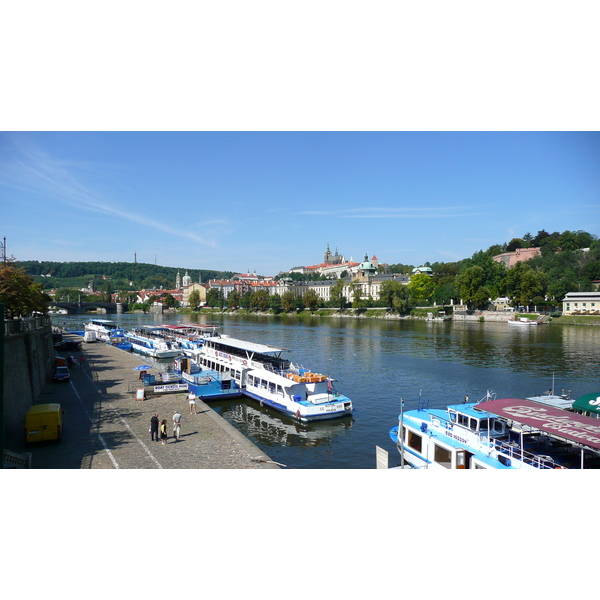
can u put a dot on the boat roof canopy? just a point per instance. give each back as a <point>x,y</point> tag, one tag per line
<point>553,421</point>
<point>247,346</point>
<point>588,403</point>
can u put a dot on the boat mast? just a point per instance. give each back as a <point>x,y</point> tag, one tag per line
<point>400,433</point>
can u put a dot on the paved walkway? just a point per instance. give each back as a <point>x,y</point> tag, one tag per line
<point>105,427</point>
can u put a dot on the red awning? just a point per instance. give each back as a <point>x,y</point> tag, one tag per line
<point>554,421</point>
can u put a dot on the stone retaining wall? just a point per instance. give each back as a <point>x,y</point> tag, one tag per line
<point>28,364</point>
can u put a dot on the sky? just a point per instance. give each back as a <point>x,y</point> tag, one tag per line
<point>270,201</point>
<point>249,136</point>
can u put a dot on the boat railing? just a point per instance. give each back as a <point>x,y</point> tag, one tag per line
<point>516,452</point>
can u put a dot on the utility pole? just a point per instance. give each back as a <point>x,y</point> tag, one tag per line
<point>2,332</point>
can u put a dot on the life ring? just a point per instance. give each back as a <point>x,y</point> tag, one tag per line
<point>244,362</point>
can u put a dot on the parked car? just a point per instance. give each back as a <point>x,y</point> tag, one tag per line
<point>61,374</point>
<point>68,345</point>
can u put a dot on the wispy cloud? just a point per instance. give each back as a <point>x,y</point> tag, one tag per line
<point>370,212</point>
<point>33,171</point>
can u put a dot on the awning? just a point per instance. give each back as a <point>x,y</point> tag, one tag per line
<point>553,421</point>
<point>588,403</point>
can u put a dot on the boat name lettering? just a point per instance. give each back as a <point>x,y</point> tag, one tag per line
<point>456,437</point>
<point>595,402</point>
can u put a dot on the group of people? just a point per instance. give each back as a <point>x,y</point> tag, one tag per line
<point>157,426</point>
<point>73,361</point>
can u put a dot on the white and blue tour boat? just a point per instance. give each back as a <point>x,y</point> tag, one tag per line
<point>497,434</point>
<point>102,328</point>
<point>265,375</point>
<point>148,341</point>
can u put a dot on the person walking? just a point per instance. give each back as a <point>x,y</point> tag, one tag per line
<point>163,431</point>
<point>177,425</point>
<point>192,400</point>
<point>81,361</point>
<point>154,428</point>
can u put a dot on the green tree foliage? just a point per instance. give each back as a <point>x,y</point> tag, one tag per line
<point>214,298</point>
<point>471,287</point>
<point>337,294</point>
<point>233,300</point>
<point>19,293</point>
<point>259,300</point>
<point>194,300</point>
<point>287,301</point>
<point>275,304</point>
<point>311,299</point>
<point>421,288</point>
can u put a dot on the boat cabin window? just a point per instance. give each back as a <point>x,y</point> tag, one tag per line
<point>473,424</point>
<point>463,420</point>
<point>442,456</point>
<point>415,441</point>
<point>452,416</point>
<point>279,390</point>
<point>263,384</point>
<point>497,426</point>
<point>271,387</point>
<point>251,380</point>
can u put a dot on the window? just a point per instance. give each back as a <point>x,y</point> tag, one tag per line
<point>473,424</point>
<point>442,456</point>
<point>415,441</point>
<point>497,426</point>
<point>251,380</point>
<point>279,390</point>
<point>463,420</point>
<point>271,387</point>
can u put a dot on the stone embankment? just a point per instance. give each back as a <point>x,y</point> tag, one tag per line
<point>105,427</point>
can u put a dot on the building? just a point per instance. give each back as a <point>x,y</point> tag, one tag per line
<point>578,303</point>
<point>510,259</point>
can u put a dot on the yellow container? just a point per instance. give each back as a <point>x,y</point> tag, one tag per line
<point>44,422</point>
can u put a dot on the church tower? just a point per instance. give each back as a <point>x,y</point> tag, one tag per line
<point>327,258</point>
<point>178,281</point>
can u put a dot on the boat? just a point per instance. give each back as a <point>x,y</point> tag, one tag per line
<point>497,434</point>
<point>522,322</point>
<point>102,328</point>
<point>207,384</point>
<point>588,405</point>
<point>147,341</point>
<point>263,374</point>
<point>189,336</point>
<point>117,339</point>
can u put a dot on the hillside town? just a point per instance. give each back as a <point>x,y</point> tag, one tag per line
<point>362,282</point>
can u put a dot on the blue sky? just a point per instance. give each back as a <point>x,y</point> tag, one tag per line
<point>269,201</point>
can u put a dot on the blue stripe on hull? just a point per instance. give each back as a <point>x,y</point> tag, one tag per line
<point>291,413</point>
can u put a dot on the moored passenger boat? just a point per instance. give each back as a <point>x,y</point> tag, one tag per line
<point>266,376</point>
<point>102,328</point>
<point>146,340</point>
<point>497,434</point>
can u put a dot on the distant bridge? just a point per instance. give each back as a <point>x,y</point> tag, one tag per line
<point>77,308</point>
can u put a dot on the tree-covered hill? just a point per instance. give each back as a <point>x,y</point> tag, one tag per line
<point>122,275</point>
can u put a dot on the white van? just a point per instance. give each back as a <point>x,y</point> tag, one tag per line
<point>89,336</point>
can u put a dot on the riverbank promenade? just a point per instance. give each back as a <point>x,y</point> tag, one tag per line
<point>105,427</point>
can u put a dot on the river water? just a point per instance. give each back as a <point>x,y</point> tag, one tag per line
<point>377,362</point>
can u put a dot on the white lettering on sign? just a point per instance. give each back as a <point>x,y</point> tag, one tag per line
<point>595,402</point>
<point>173,387</point>
<point>560,424</point>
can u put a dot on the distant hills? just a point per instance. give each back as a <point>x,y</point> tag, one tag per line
<point>122,275</point>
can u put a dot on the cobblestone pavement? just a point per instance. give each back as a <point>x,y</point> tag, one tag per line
<point>105,427</point>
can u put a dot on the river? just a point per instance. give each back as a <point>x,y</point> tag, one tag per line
<point>378,362</point>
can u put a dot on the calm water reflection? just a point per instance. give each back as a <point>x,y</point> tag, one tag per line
<point>378,362</point>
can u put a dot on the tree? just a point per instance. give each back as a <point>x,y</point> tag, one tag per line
<point>170,300</point>
<point>259,300</point>
<point>470,284</point>
<point>311,299</point>
<point>420,288</point>
<point>287,301</point>
<point>387,292</point>
<point>233,300</point>
<point>106,293</point>
<point>19,293</point>
<point>337,294</point>
<point>275,303</point>
<point>214,297</point>
<point>194,300</point>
